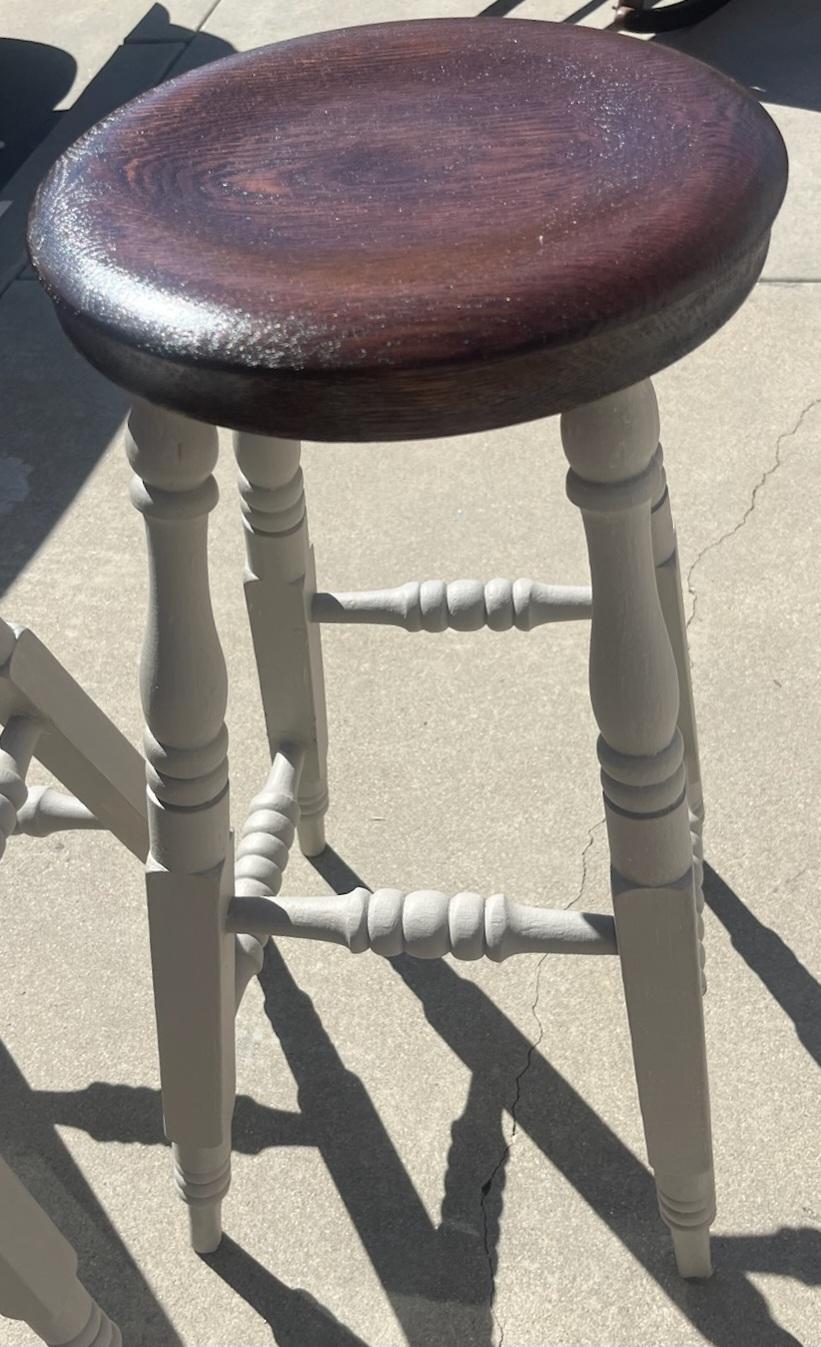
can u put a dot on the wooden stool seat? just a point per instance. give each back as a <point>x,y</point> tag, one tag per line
<point>410,229</point>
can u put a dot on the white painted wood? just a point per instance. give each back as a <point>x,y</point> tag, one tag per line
<point>8,640</point>
<point>48,811</point>
<point>263,850</point>
<point>426,924</point>
<point>17,744</point>
<point>78,743</point>
<point>668,580</point>
<point>280,582</point>
<point>612,447</point>
<point>38,1275</point>
<point>460,605</point>
<point>189,877</point>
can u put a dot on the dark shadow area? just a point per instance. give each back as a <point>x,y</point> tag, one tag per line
<point>133,1114</point>
<point>336,872</point>
<point>785,977</point>
<point>34,78</point>
<point>59,415</point>
<point>589,8</point>
<point>426,1271</point>
<point>772,46</point>
<point>589,1155</point>
<point>34,1150</point>
<point>657,17</point>
<point>200,48</point>
<point>296,1319</point>
<point>499,9</point>
<point>156,25</point>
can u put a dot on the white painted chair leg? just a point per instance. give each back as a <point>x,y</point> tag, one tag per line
<point>280,583</point>
<point>668,581</point>
<point>615,475</point>
<point>671,597</point>
<point>189,877</point>
<point>17,743</point>
<point>38,1275</point>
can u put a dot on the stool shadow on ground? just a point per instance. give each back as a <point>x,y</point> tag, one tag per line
<point>772,47</point>
<point>34,78</point>
<point>59,415</point>
<point>762,949</point>
<point>296,1319</point>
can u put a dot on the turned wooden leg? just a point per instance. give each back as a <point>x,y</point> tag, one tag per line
<point>279,585</point>
<point>17,743</point>
<point>189,875</point>
<point>615,476</point>
<point>38,1275</point>
<point>263,850</point>
<point>668,580</point>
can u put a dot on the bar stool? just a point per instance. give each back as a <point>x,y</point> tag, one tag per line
<point>400,231</point>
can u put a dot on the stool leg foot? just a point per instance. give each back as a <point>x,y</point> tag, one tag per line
<point>687,1206</point>
<point>189,876</point>
<point>202,1176</point>
<point>692,1251</point>
<point>691,1242</point>
<point>279,585</point>
<point>615,475</point>
<point>205,1226</point>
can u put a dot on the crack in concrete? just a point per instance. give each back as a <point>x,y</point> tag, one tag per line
<point>591,837</point>
<point>487,1186</point>
<point>757,489</point>
<point>785,883</point>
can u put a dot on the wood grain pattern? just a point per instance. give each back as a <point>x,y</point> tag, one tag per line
<point>410,229</point>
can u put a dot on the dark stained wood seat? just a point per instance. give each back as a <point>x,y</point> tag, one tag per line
<point>410,229</point>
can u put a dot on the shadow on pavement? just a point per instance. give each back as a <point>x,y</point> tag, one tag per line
<point>772,46</point>
<point>785,977</point>
<point>38,1156</point>
<point>59,415</point>
<point>34,78</point>
<point>296,1319</point>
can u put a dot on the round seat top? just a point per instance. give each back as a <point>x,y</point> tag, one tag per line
<point>410,229</point>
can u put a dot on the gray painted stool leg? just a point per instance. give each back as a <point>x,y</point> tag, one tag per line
<point>668,579</point>
<point>189,877</point>
<point>38,1275</point>
<point>615,475</point>
<point>280,583</point>
<point>17,743</point>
